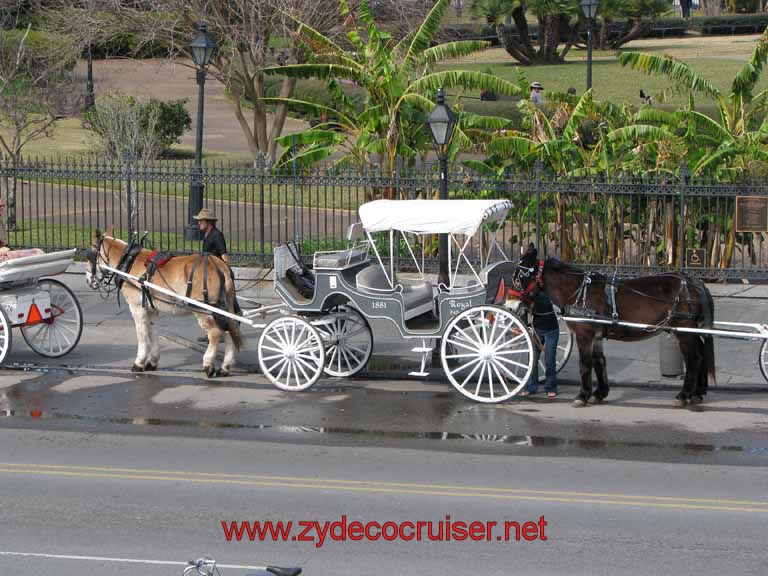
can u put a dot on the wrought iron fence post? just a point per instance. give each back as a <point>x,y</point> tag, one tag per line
<point>537,182</point>
<point>262,168</point>
<point>683,183</point>
<point>128,177</point>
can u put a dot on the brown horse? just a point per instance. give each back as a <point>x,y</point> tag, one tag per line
<point>666,300</point>
<point>185,275</point>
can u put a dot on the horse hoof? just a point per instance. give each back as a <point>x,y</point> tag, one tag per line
<point>680,402</point>
<point>221,373</point>
<point>210,371</point>
<point>695,399</point>
<point>597,399</point>
<point>137,368</point>
<point>579,403</point>
<point>150,367</point>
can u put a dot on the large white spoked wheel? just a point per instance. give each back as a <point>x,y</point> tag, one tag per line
<point>5,335</point>
<point>291,353</point>
<point>487,353</point>
<point>348,342</point>
<point>764,359</point>
<point>564,348</point>
<point>59,334</point>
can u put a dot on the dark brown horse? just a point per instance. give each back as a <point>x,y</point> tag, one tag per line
<point>666,300</point>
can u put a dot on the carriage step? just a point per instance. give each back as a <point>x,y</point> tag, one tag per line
<point>422,350</point>
<point>419,374</point>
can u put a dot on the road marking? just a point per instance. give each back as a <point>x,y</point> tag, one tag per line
<point>372,487</point>
<point>375,483</point>
<point>121,560</point>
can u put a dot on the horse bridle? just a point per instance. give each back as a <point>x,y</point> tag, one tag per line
<point>527,292</point>
<point>104,282</point>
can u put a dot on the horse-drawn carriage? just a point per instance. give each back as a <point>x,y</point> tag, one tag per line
<point>44,309</point>
<point>323,322</point>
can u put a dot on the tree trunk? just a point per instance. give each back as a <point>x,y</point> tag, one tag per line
<point>711,7</point>
<point>602,40</point>
<point>635,32</point>
<point>278,122</point>
<point>511,45</point>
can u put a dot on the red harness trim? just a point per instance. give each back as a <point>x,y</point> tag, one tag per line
<point>539,283</point>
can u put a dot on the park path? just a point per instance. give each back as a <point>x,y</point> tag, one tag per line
<point>168,81</point>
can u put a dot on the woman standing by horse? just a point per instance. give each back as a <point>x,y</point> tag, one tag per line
<point>671,299</point>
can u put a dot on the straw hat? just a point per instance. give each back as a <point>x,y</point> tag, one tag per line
<point>205,214</point>
<point>537,85</point>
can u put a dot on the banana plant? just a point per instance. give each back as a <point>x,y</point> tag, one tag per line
<point>398,79</point>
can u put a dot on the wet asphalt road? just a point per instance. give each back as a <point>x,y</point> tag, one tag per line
<point>106,464</point>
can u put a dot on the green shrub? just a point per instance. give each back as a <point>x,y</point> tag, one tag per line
<point>128,46</point>
<point>173,120</point>
<point>731,24</point>
<point>125,126</point>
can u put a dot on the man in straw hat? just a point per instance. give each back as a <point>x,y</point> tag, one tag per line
<point>536,90</point>
<point>213,240</point>
<point>214,243</point>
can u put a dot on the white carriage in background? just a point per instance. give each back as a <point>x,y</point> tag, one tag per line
<point>486,351</point>
<point>45,310</point>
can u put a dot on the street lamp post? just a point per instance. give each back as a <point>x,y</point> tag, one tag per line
<point>90,98</point>
<point>203,49</point>
<point>589,8</point>
<point>442,122</point>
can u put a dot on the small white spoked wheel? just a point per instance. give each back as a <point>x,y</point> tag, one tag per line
<point>348,342</point>
<point>291,353</point>
<point>487,353</point>
<point>564,348</point>
<point>764,359</point>
<point>5,335</point>
<point>57,335</point>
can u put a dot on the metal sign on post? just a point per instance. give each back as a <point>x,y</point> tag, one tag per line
<point>696,258</point>
<point>751,213</point>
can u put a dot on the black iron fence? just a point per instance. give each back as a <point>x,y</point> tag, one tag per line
<point>634,224</point>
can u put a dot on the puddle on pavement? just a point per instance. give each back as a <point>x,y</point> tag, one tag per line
<point>538,441</point>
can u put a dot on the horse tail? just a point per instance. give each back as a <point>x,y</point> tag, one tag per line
<point>233,328</point>
<point>707,321</point>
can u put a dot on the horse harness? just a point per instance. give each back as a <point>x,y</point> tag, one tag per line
<point>153,265</point>
<point>612,285</point>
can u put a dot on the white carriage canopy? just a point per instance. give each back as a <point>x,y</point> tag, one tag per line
<point>431,216</point>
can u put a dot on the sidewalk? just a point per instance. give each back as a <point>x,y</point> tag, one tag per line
<point>109,341</point>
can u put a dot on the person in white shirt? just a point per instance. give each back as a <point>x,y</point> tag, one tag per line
<point>536,96</point>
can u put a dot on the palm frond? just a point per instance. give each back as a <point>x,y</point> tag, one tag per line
<point>638,133</point>
<point>452,50</point>
<point>311,106</point>
<point>578,115</point>
<point>316,40</point>
<point>746,79</point>
<point>423,36</point>
<point>470,120</point>
<point>677,71</point>
<point>468,79</point>
<point>319,71</point>
<point>512,146</point>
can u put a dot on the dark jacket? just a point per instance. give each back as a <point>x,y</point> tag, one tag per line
<point>544,318</point>
<point>214,243</point>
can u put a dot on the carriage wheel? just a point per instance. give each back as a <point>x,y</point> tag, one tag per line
<point>564,349</point>
<point>348,342</point>
<point>5,335</point>
<point>487,353</point>
<point>59,334</point>
<point>764,359</point>
<point>291,353</point>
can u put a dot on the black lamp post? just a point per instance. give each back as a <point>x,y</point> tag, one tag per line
<point>589,8</point>
<point>442,122</point>
<point>203,50</point>
<point>90,97</point>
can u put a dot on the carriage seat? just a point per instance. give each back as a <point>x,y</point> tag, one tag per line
<point>340,260</point>
<point>418,296</point>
